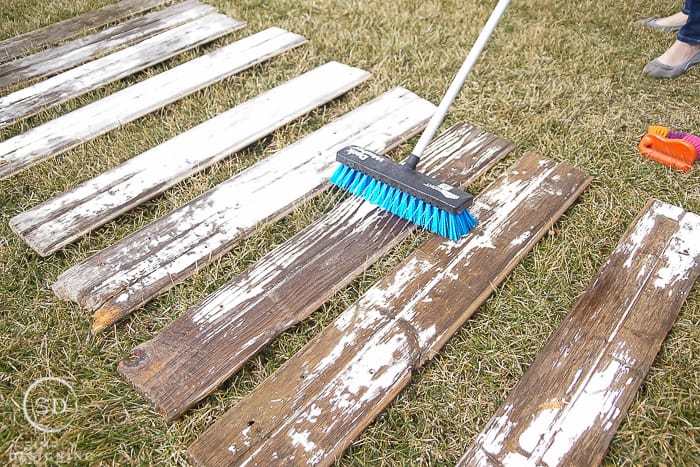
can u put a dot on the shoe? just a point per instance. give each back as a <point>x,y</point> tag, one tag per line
<point>656,69</point>
<point>653,23</point>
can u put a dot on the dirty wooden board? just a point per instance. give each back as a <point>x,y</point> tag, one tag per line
<point>58,32</point>
<point>198,351</point>
<point>73,53</point>
<point>63,219</point>
<point>69,130</point>
<point>312,407</point>
<point>122,277</point>
<point>568,405</point>
<point>80,80</point>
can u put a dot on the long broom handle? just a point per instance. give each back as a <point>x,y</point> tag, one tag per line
<point>456,86</point>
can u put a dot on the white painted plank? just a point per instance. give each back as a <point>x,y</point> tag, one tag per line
<point>72,83</point>
<point>131,272</point>
<point>73,53</point>
<point>63,219</point>
<point>94,119</point>
<point>57,32</point>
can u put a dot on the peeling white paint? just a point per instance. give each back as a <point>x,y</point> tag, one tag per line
<point>217,217</point>
<point>79,80</point>
<point>75,52</point>
<point>302,439</point>
<point>94,202</point>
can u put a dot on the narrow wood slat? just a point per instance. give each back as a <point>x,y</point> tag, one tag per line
<point>63,219</point>
<point>57,32</point>
<point>312,407</point>
<point>80,80</point>
<point>69,130</point>
<point>198,351</point>
<point>568,405</point>
<point>70,54</point>
<point>122,277</point>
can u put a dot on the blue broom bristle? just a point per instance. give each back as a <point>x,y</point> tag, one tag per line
<point>416,211</point>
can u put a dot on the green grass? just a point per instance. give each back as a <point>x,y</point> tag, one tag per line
<point>562,79</point>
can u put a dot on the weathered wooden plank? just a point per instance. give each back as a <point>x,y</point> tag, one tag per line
<point>198,351</point>
<point>312,407</point>
<point>122,277</point>
<point>57,32</point>
<point>72,83</point>
<point>70,54</point>
<point>63,219</point>
<point>69,130</point>
<point>568,405</point>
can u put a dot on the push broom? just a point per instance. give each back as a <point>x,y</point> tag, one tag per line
<point>399,188</point>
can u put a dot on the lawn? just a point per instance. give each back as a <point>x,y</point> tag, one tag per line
<point>562,79</point>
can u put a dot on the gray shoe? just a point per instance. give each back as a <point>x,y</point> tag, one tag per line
<point>656,69</point>
<point>653,23</point>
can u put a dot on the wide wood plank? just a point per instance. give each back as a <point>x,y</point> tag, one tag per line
<point>69,130</point>
<point>63,219</point>
<point>70,54</point>
<point>122,277</point>
<point>568,405</point>
<point>72,83</point>
<point>312,407</point>
<point>57,32</point>
<point>198,351</point>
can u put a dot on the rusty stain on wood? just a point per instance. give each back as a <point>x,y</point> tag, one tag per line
<point>598,357</point>
<point>77,81</point>
<point>63,219</point>
<point>193,355</point>
<point>68,55</point>
<point>312,407</point>
<point>58,32</point>
<point>69,130</point>
<point>171,248</point>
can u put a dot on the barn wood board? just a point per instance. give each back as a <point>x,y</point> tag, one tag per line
<point>194,354</point>
<point>69,130</point>
<point>78,51</point>
<point>122,277</point>
<point>62,30</point>
<point>92,75</point>
<point>567,407</point>
<point>313,406</point>
<point>65,218</point>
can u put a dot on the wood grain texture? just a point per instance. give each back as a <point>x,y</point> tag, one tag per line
<point>89,76</point>
<point>312,407</point>
<point>57,32</point>
<point>131,272</point>
<point>69,130</point>
<point>568,405</point>
<point>198,351</point>
<point>63,219</point>
<point>70,54</point>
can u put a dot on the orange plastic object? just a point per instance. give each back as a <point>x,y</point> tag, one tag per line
<point>675,153</point>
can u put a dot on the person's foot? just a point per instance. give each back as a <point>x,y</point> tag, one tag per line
<point>667,23</point>
<point>677,59</point>
<point>676,20</point>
